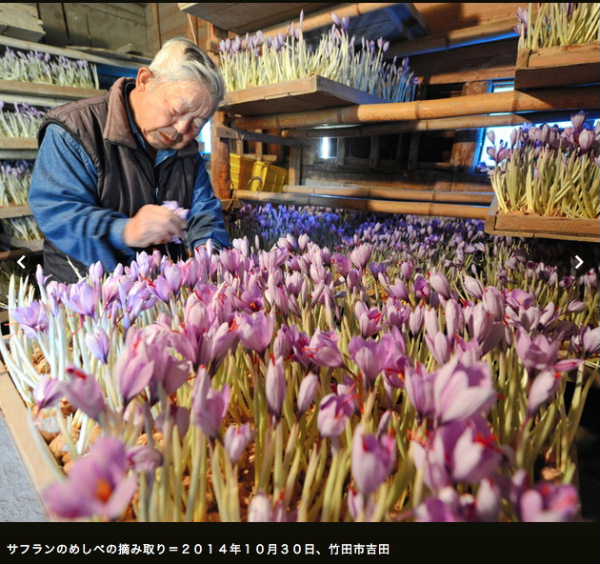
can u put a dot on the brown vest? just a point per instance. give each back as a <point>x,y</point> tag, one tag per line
<point>127,178</point>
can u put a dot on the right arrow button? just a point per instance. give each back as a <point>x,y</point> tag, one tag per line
<point>579,262</point>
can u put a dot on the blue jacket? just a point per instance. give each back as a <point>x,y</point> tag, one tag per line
<point>64,201</point>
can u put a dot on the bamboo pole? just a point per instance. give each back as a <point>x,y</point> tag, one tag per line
<point>394,193</point>
<point>322,18</point>
<point>376,206</point>
<point>438,185</point>
<point>455,123</point>
<point>513,101</point>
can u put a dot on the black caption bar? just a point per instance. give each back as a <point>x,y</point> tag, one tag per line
<point>171,543</point>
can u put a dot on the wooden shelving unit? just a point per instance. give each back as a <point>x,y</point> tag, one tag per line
<point>558,66</point>
<point>517,225</point>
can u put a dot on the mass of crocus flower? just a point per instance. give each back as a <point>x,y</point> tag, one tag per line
<point>33,66</point>
<point>549,24</point>
<point>256,61</point>
<point>549,171</point>
<point>15,178</point>
<point>20,121</point>
<point>414,369</point>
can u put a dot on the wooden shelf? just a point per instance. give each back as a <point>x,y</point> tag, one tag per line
<point>558,66</point>
<point>247,18</point>
<point>516,225</point>
<point>304,94</point>
<point>15,91</point>
<point>33,246</point>
<point>18,144</point>
<point>384,192</point>
<point>368,205</point>
<point>17,253</point>
<point>10,212</point>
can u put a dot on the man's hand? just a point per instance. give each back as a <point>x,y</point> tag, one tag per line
<point>153,225</point>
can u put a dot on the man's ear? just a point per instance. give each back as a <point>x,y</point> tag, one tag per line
<point>144,78</point>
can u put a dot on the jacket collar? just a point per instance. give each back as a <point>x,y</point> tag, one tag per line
<point>117,128</point>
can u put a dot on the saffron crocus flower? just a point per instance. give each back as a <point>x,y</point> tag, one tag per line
<point>260,509</point>
<point>361,255</point>
<point>415,320</point>
<point>473,286</point>
<point>307,391</point>
<point>180,416</point>
<point>33,318</point>
<point>463,388</point>
<point>334,412</point>
<point>548,502</point>
<point>441,508</point>
<point>440,284</point>
<point>82,298</point>
<point>440,347</point>
<point>256,330</point>
<point>419,386</point>
<point>324,350</point>
<point>357,506</point>
<point>540,353</point>
<point>591,341</point>
<point>370,356</point>
<point>236,439</point>
<point>275,386</point>
<point>209,406</point>
<point>99,343</point>
<point>134,368</point>
<point>144,458</point>
<point>84,393</point>
<point>369,319</point>
<point>488,500</point>
<point>98,484</point>
<point>373,459</point>
<point>47,392</point>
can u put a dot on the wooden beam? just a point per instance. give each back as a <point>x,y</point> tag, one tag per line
<point>16,143</point>
<point>512,101</point>
<point>457,123</point>
<point>52,90</point>
<point>322,18</point>
<point>295,168</point>
<point>72,53</point>
<point>10,212</point>
<point>369,205</point>
<point>375,192</point>
<point>240,134</point>
<point>219,160</point>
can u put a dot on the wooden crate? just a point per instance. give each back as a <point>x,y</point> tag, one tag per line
<point>558,66</point>
<point>37,458</point>
<point>313,93</point>
<point>518,225</point>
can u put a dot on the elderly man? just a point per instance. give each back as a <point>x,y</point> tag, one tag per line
<point>106,164</point>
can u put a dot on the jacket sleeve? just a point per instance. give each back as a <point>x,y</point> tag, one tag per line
<point>63,199</point>
<point>206,216</point>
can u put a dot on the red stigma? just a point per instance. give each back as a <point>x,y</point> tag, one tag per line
<point>77,373</point>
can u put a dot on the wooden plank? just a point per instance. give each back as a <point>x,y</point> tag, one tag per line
<point>242,18</point>
<point>16,143</point>
<point>242,135</point>
<point>10,212</point>
<point>437,185</point>
<point>558,66</point>
<point>311,93</point>
<point>375,192</point>
<point>536,223</point>
<point>371,205</point>
<point>21,21</point>
<point>52,90</point>
<point>9,154</point>
<point>33,245</point>
<point>41,465</point>
<point>43,48</point>
<point>467,142</point>
<point>219,160</point>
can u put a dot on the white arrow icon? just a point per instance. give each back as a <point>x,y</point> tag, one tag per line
<point>579,262</point>
<point>19,262</point>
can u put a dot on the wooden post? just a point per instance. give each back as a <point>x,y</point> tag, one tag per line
<point>413,150</point>
<point>374,152</point>
<point>272,148</point>
<point>219,160</point>
<point>466,142</point>
<point>295,169</point>
<point>340,155</point>
<point>259,147</point>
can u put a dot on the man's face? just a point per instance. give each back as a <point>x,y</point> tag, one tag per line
<point>170,114</point>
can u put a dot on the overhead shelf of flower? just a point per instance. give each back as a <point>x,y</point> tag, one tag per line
<point>558,45</point>
<point>547,183</point>
<point>285,74</point>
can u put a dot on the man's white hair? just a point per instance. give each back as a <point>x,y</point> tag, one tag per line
<point>181,59</point>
